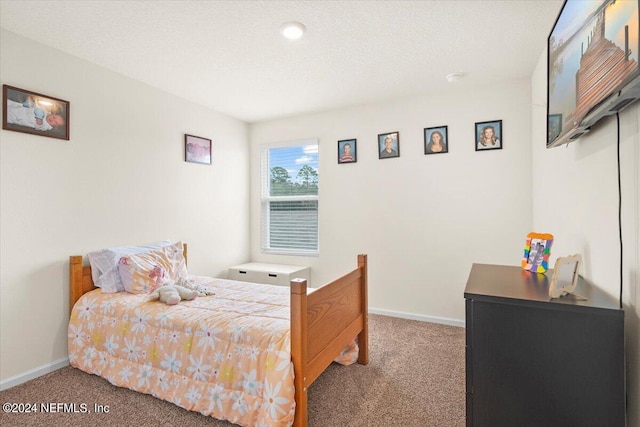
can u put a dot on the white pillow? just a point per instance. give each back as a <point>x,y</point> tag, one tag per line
<point>104,264</point>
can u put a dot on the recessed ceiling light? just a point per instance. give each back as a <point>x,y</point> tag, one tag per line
<point>292,30</point>
<point>454,77</point>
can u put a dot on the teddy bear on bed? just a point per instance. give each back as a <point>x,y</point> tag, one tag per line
<point>171,293</point>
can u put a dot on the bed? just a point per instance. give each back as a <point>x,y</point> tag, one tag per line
<point>318,326</point>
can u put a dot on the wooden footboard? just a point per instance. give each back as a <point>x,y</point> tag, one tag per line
<point>322,324</point>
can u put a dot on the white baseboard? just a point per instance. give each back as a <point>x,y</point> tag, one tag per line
<point>421,317</point>
<point>33,373</point>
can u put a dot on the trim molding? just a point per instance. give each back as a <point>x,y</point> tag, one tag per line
<point>420,317</point>
<point>33,373</point>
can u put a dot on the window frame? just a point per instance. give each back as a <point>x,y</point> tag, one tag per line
<point>266,198</point>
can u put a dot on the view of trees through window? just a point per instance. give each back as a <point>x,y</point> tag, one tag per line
<point>292,210</point>
<point>305,183</point>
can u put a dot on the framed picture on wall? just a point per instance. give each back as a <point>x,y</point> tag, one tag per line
<point>347,151</point>
<point>489,135</point>
<point>554,126</point>
<point>435,140</point>
<point>389,145</point>
<point>31,112</point>
<point>197,149</point>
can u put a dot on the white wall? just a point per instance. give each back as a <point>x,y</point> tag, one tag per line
<point>422,220</point>
<point>575,197</point>
<point>121,179</point>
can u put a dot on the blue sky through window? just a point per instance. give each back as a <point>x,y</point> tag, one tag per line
<point>294,158</point>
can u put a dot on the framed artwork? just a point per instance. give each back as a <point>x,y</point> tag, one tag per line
<point>436,140</point>
<point>197,149</point>
<point>554,126</point>
<point>347,151</point>
<point>30,112</point>
<point>489,135</point>
<point>388,145</point>
<point>537,248</point>
<point>565,275</point>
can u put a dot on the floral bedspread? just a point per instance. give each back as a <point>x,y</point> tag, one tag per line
<point>226,355</point>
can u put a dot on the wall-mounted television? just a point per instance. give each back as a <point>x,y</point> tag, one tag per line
<point>592,67</point>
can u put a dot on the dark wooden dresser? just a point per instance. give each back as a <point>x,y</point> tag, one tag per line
<point>532,361</point>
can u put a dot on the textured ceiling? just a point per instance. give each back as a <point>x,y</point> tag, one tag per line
<point>229,55</point>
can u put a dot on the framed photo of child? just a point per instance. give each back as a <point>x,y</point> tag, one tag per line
<point>489,135</point>
<point>30,112</point>
<point>388,145</point>
<point>347,151</point>
<point>435,140</point>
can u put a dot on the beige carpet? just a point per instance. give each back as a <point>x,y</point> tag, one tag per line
<point>415,378</point>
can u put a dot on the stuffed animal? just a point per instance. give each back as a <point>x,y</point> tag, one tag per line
<point>189,283</point>
<point>172,294</point>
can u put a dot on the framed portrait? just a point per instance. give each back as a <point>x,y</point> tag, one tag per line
<point>30,112</point>
<point>565,275</point>
<point>489,135</point>
<point>388,145</point>
<point>537,249</point>
<point>347,151</point>
<point>197,149</point>
<point>436,140</point>
<point>554,126</point>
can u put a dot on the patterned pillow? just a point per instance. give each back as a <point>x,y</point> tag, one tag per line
<point>104,264</point>
<point>142,273</point>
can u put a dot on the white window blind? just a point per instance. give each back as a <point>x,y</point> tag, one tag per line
<point>290,198</point>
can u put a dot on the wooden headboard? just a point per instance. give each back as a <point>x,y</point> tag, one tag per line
<point>80,280</point>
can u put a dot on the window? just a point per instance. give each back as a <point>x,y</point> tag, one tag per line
<point>289,202</point>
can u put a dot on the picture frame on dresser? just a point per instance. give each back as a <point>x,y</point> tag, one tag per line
<point>565,276</point>
<point>537,249</point>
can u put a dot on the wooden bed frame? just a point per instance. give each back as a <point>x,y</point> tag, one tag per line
<point>323,322</point>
